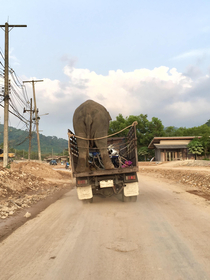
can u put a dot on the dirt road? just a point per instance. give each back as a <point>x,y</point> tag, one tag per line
<point>164,235</point>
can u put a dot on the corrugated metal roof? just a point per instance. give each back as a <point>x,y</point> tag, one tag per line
<point>181,146</point>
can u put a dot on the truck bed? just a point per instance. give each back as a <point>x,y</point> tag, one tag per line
<point>127,147</point>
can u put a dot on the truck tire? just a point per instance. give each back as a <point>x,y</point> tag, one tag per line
<point>86,201</point>
<point>129,198</point>
<point>125,198</point>
<point>133,198</point>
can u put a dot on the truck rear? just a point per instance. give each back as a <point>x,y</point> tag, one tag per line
<point>122,180</point>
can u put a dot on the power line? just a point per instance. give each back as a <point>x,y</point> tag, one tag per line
<point>2,55</point>
<point>22,141</point>
<point>18,94</point>
<point>25,121</point>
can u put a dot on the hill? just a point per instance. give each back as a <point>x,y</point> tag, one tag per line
<point>18,139</point>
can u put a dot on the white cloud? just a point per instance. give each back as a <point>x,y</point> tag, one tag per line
<point>165,93</point>
<point>131,92</point>
<point>14,60</point>
<point>188,109</point>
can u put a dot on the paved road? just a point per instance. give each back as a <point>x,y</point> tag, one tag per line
<point>164,235</point>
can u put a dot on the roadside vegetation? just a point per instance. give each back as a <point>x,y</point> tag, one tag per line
<point>19,143</point>
<point>146,130</point>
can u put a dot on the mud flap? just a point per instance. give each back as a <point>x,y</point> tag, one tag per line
<point>131,189</point>
<point>84,192</point>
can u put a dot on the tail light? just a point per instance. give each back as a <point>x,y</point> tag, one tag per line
<point>82,181</point>
<point>130,177</point>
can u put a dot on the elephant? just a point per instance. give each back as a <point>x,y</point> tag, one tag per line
<point>91,120</point>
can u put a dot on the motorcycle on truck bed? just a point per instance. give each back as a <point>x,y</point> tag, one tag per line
<point>99,181</point>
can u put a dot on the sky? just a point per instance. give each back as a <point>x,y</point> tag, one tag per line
<point>133,57</point>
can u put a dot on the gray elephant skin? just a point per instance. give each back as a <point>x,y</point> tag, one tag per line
<point>91,120</point>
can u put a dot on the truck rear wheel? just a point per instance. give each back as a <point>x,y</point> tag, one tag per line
<point>129,198</point>
<point>133,198</point>
<point>86,201</point>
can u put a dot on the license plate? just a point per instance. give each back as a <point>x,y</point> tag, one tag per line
<point>106,184</point>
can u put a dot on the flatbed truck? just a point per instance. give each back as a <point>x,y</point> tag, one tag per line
<point>122,180</point>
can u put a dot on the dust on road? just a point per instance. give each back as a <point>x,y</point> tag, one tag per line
<point>164,235</point>
<point>27,188</point>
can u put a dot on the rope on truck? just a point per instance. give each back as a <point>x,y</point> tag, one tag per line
<point>127,144</point>
<point>90,139</point>
<point>121,158</point>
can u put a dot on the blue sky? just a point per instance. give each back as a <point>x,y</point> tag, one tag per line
<point>133,57</point>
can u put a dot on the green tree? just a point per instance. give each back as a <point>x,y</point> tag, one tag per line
<point>145,129</point>
<point>170,131</point>
<point>205,140</point>
<point>143,151</point>
<point>208,123</point>
<point>181,131</point>
<point>117,125</point>
<point>193,131</point>
<point>155,128</point>
<point>142,128</point>
<point>195,147</point>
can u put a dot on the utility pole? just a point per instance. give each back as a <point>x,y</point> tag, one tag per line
<point>30,132</point>
<point>6,89</point>
<point>36,117</point>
